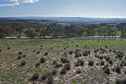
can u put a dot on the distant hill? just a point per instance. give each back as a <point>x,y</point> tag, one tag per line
<point>68,19</point>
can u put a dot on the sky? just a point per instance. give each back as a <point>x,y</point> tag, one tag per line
<point>63,8</point>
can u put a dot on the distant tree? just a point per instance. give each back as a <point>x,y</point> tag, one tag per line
<point>44,31</point>
<point>2,35</point>
<point>122,29</point>
<point>30,33</point>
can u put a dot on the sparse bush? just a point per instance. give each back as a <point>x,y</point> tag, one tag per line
<point>19,57</point>
<point>37,65</point>
<point>102,63</point>
<point>20,53</point>
<point>91,63</point>
<point>117,70</point>
<point>58,65</point>
<point>24,56</point>
<point>8,48</point>
<point>86,53</point>
<point>106,46</point>
<point>100,57</point>
<point>64,48</point>
<point>107,58</point>
<point>67,66</point>
<point>46,53</point>
<point>54,72</point>
<point>119,55</point>
<point>44,77</point>
<point>54,62</point>
<point>33,50</point>
<point>123,63</point>
<point>38,52</point>
<point>106,70</point>
<point>102,50</point>
<point>77,45</point>
<point>0,50</point>
<point>79,62</point>
<point>22,63</point>
<point>78,71</point>
<point>50,79</point>
<point>42,60</point>
<point>65,54</point>
<point>77,53</point>
<point>34,77</point>
<point>96,50</point>
<point>41,46</point>
<point>110,62</point>
<point>63,71</point>
<point>121,81</point>
<point>64,60</point>
<point>70,52</point>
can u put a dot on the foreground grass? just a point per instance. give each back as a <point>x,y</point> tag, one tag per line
<point>68,43</point>
<point>34,49</point>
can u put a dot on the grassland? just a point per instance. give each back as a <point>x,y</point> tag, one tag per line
<point>27,61</point>
<point>68,43</point>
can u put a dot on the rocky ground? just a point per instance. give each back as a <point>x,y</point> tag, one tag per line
<point>101,65</point>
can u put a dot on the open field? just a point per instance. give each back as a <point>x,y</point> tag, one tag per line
<point>63,43</point>
<point>62,61</point>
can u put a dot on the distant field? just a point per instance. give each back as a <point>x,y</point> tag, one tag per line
<point>68,43</point>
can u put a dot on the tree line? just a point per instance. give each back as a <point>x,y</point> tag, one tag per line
<point>53,30</point>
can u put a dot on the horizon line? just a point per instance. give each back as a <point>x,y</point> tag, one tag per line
<point>102,17</point>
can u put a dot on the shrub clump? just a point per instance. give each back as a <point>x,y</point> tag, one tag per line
<point>8,48</point>
<point>46,53</point>
<point>42,60</point>
<point>0,50</point>
<point>67,66</point>
<point>38,52</point>
<point>78,71</point>
<point>24,56</point>
<point>86,53</point>
<point>77,53</point>
<point>106,70</point>
<point>64,60</point>
<point>19,57</point>
<point>34,77</point>
<point>54,72</point>
<point>91,63</point>
<point>102,63</point>
<point>23,63</point>
<point>20,53</point>
<point>79,62</point>
<point>65,69</point>
<point>37,65</point>
<point>121,81</point>
<point>119,55</point>
<point>70,52</point>
<point>117,69</point>
<point>50,79</point>
<point>44,77</point>
<point>56,64</point>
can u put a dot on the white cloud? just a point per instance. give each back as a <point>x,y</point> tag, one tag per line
<point>17,2</point>
<point>23,1</point>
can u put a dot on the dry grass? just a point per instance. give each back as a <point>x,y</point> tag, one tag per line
<point>61,61</point>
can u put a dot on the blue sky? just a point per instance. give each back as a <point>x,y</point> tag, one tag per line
<point>63,8</point>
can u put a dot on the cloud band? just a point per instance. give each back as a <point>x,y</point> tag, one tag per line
<point>17,2</point>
